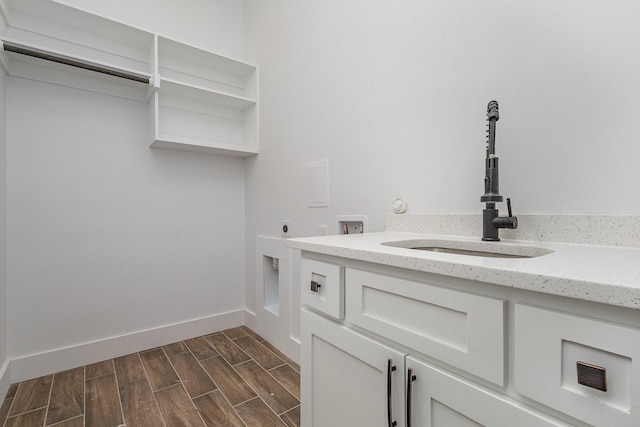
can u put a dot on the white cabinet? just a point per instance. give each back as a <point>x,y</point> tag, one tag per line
<point>454,365</point>
<point>347,378</point>
<point>198,100</point>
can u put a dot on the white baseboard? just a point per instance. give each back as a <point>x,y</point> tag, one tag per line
<point>5,380</point>
<point>37,365</point>
<point>250,319</point>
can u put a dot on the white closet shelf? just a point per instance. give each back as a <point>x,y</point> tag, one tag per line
<point>201,146</point>
<point>185,90</point>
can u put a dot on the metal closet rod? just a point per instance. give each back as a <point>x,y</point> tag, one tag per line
<point>47,56</point>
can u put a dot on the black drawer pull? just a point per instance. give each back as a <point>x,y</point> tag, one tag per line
<point>592,376</point>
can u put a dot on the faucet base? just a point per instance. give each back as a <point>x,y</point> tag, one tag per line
<point>489,231</point>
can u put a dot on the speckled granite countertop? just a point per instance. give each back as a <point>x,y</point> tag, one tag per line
<point>605,274</point>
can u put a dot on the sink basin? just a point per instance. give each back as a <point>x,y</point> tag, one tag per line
<point>477,249</point>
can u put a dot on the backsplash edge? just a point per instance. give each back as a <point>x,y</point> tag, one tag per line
<point>604,230</point>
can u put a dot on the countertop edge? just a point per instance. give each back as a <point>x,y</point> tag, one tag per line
<point>623,291</point>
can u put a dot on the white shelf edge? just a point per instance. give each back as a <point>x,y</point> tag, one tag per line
<point>201,146</point>
<point>204,94</point>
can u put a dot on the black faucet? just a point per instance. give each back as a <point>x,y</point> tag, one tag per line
<point>491,222</point>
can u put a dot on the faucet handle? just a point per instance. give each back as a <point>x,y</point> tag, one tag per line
<point>509,206</point>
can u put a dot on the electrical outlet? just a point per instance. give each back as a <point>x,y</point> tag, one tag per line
<point>322,229</point>
<point>286,228</point>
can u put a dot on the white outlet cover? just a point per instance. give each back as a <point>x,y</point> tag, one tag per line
<point>319,184</point>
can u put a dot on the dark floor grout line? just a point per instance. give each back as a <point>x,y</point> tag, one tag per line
<point>26,412</point>
<point>208,358</point>
<point>84,394</point>
<point>256,391</point>
<point>285,387</point>
<point>275,367</point>
<point>212,380</point>
<point>153,393</point>
<point>181,382</point>
<point>46,413</point>
<point>64,421</point>
<point>9,411</point>
<point>115,375</point>
<point>288,410</point>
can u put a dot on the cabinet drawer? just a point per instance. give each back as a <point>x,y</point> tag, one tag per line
<point>461,329</point>
<point>586,368</point>
<point>323,287</point>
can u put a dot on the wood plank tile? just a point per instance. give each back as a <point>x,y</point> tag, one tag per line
<point>28,419</point>
<point>281,355</point>
<point>256,414</point>
<point>159,370</point>
<point>32,394</point>
<point>234,333</point>
<point>259,353</point>
<point>227,349</point>
<point>252,333</point>
<point>216,411</point>
<point>175,348</point>
<point>129,369</point>
<point>100,369</point>
<point>270,390</point>
<point>102,402</point>
<point>200,348</point>
<point>289,378</point>
<point>193,377</point>
<point>292,418</point>
<point>139,405</point>
<point>176,408</point>
<point>67,396</point>
<point>13,388</point>
<point>4,410</point>
<point>228,381</point>
<point>75,422</point>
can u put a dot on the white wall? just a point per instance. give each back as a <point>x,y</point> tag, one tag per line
<point>106,236</point>
<point>394,94</point>
<point>211,24</point>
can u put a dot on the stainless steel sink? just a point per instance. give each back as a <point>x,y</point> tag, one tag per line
<point>477,249</point>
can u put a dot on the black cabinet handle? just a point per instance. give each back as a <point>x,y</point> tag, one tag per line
<point>390,369</point>
<point>315,286</point>
<point>410,379</point>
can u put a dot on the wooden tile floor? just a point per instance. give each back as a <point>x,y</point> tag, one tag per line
<point>230,378</point>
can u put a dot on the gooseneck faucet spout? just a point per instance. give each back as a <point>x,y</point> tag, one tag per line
<point>491,222</point>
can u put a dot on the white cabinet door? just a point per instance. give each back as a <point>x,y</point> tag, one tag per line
<point>348,379</point>
<point>438,399</point>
